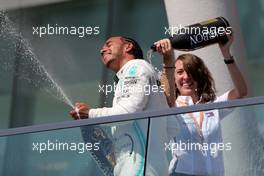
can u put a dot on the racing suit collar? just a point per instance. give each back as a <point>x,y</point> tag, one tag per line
<point>115,78</point>
<point>120,71</point>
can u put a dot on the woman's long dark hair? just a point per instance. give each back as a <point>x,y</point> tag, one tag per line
<point>195,67</point>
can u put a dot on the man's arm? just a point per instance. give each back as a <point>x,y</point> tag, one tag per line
<point>132,94</point>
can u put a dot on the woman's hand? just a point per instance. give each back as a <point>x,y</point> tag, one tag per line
<point>164,47</point>
<point>225,48</point>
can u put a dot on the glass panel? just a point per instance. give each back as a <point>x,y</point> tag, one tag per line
<point>229,141</point>
<point>215,142</point>
<point>116,147</point>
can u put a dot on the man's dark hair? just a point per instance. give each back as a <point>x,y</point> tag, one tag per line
<point>136,50</point>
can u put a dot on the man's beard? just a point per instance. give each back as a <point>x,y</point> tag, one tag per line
<point>109,62</point>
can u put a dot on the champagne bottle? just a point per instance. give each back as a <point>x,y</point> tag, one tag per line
<point>200,35</point>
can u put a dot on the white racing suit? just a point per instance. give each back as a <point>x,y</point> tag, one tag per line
<point>137,90</point>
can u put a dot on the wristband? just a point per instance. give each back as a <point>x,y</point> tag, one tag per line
<point>229,60</point>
